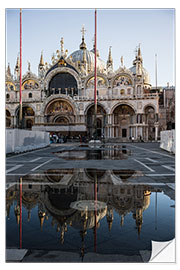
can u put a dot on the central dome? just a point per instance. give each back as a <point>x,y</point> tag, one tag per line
<point>77,56</point>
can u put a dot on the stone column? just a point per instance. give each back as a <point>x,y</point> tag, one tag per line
<point>147,133</point>
<point>156,131</point>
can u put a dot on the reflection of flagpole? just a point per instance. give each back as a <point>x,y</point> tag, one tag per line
<point>20,203</point>
<point>20,79</point>
<point>156,212</point>
<point>95,77</point>
<point>95,210</point>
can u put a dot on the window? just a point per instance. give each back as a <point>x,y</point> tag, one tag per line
<point>7,96</point>
<point>122,92</point>
<point>139,89</point>
<point>30,95</point>
<point>129,91</point>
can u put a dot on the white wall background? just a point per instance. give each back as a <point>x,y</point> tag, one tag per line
<point>168,140</point>
<point>18,140</point>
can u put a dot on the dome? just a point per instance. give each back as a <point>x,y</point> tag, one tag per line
<point>145,74</point>
<point>77,56</point>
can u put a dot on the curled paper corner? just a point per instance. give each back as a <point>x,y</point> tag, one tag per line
<point>163,251</point>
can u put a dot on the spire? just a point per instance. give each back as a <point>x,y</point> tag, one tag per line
<point>83,44</point>
<point>93,50</point>
<point>41,217</point>
<point>17,69</point>
<point>110,55</point>
<point>41,63</point>
<point>138,55</point>
<point>8,70</point>
<point>122,61</point>
<point>110,60</point>
<point>62,46</point>
<point>17,63</point>
<point>29,67</point>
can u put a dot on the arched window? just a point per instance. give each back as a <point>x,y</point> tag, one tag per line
<point>122,92</point>
<point>7,96</point>
<point>30,95</point>
<point>139,89</point>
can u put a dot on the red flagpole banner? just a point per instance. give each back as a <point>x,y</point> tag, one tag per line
<point>20,203</point>
<point>95,76</point>
<point>20,79</point>
<point>95,68</point>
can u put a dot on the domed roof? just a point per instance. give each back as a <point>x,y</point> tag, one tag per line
<point>77,56</point>
<point>145,73</point>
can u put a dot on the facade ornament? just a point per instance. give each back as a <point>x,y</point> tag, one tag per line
<point>122,61</point>
<point>83,44</point>
<point>8,72</point>
<point>62,46</point>
<point>29,67</point>
<point>110,61</point>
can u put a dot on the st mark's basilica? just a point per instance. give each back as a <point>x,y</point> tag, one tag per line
<point>61,98</point>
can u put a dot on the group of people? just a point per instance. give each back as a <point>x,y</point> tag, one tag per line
<point>54,138</point>
<point>59,138</point>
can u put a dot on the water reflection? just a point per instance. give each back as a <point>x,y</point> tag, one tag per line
<point>87,210</point>
<point>108,152</point>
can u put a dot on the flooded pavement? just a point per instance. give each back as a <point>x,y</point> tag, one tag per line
<point>83,152</point>
<point>87,211</point>
<point>82,204</point>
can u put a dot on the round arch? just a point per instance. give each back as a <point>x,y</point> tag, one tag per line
<point>52,73</point>
<point>51,99</point>
<point>123,119</point>
<point>8,118</point>
<point>122,103</point>
<point>129,81</point>
<point>28,116</point>
<point>100,75</point>
<point>92,104</point>
<point>150,105</point>
<point>100,120</point>
<point>60,109</point>
<point>62,119</point>
<point>150,120</point>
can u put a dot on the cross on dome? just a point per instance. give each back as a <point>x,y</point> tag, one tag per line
<point>83,31</point>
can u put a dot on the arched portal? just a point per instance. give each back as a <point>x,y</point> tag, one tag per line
<point>101,120</point>
<point>123,118</point>
<point>150,118</point>
<point>63,83</point>
<point>59,111</point>
<point>8,119</point>
<point>28,117</point>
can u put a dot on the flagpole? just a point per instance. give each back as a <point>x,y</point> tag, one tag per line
<point>20,77</point>
<point>95,77</point>
<point>156,69</point>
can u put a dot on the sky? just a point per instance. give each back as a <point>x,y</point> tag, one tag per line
<point>123,29</point>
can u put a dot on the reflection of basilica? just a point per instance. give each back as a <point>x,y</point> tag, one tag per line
<point>79,199</point>
<point>61,96</point>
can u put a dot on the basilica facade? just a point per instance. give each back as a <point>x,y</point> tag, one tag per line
<point>61,98</point>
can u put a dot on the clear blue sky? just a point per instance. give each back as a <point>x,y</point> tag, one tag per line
<point>123,29</point>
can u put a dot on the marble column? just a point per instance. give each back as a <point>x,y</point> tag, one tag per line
<point>156,132</point>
